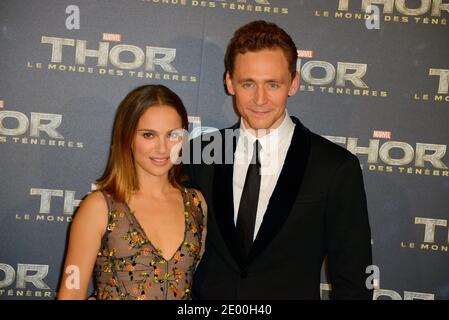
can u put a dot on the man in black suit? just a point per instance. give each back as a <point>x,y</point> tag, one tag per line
<point>287,199</point>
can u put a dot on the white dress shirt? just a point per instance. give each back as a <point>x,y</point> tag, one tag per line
<point>274,147</point>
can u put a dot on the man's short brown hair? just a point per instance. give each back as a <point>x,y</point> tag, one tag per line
<point>259,35</point>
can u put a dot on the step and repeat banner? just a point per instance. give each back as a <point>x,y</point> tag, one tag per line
<point>376,86</point>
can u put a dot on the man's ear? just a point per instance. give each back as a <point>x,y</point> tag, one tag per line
<point>229,85</point>
<point>295,84</point>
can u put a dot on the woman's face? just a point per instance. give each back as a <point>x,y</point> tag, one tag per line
<point>158,135</point>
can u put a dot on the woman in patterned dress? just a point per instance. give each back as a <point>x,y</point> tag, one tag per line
<point>141,234</point>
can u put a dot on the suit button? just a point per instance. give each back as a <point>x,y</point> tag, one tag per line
<point>244,275</point>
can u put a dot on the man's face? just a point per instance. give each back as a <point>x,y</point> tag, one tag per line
<point>261,83</point>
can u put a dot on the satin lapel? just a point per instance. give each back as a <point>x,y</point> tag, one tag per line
<point>286,190</point>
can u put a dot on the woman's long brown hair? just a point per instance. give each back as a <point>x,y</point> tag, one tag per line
<point>120,178</point>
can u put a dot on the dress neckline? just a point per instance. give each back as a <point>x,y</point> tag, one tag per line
<point>147,238</point>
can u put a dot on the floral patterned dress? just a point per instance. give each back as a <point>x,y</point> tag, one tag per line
<point>128,266</point>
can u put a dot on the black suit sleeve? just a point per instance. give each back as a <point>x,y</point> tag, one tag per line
<point>348,233</point>
<point>188,166</point>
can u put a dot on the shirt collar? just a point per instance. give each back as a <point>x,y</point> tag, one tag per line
<point>271,141</point>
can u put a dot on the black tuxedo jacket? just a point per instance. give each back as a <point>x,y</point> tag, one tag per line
<point>317,210</point>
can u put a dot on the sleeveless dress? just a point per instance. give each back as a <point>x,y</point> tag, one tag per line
<point>130,267</point>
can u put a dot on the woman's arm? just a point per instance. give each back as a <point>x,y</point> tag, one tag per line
<point>86,232</point>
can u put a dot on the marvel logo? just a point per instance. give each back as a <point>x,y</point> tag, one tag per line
<point>115,37</point>
<point>379,134</point>
<point>305,53</point>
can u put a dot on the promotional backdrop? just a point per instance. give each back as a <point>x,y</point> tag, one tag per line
<point>376,87</point>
